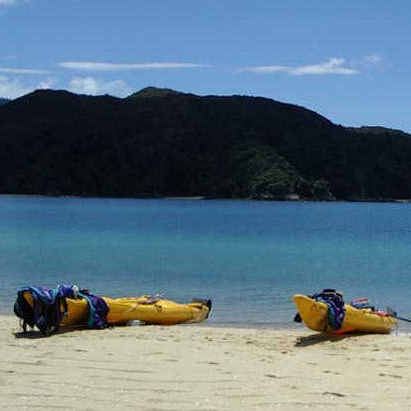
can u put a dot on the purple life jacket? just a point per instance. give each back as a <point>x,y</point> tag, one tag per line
<point>336,306</point>
<point>97,307</point>
<point>45,310</point>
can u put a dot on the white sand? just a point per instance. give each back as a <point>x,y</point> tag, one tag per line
<point>197,367</point>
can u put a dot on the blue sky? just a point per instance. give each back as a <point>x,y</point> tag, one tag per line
<point>347,60</point>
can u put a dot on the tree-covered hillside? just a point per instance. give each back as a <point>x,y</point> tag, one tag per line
<point>159,142</point>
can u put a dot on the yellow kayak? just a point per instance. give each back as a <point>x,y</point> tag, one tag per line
<point>314,314</point>
<point>145,308</point>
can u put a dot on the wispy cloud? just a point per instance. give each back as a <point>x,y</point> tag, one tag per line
<point>265,69</point>
<point>374,59</point>
<point>96,66</point>
<point>5,3</point>
<point>47,83</point>
<point>12,87</point>
<point>9,70</point>
<point>331,66</point>
<point>7,57</point>
<point>93,86</point>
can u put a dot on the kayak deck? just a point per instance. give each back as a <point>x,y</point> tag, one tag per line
<point>144,309</point>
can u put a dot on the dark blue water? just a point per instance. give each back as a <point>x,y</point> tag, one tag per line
<point>249,257</point>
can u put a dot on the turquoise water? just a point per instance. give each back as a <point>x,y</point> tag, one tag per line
<point>249,257</point>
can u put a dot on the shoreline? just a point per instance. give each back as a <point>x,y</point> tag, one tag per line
<point>188,367</point>
<point>402,329</point>
<point>205,198</point>
<point>291,326</point>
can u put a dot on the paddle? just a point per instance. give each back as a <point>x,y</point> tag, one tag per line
<point>392,313</point>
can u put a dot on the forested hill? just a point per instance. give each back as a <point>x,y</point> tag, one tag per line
<point>3,101</point>
<point>159,142</point>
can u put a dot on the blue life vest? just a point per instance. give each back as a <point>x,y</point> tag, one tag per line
<point>336,306</point>
<point>45,310</point>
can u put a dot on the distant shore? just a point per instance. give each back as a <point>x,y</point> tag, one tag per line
<point>204,368</point>
<point>185,198</point>
<point>291,199</point>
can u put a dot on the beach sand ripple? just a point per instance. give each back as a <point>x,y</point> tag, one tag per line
<point>198,367</point>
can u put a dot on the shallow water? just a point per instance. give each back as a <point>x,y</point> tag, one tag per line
<point>249,257</point>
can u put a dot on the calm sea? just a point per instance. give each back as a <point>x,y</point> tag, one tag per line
<point>249,257</point>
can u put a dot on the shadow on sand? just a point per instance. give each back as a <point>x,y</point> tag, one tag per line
<point>35,334</point>
<point>323,337</point>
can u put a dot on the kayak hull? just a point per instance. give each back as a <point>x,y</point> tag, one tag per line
<point>145,309</point>
<point>314,315</point>
<point>126,309</point>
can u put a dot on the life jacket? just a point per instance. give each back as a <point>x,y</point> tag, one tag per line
<point>40,307</point>
<point>97,310</point>
<point>97,307</point>
<point>43,310</point>
<point>336,306</point>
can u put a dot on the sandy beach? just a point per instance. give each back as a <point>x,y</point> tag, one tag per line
<point>198,367</point>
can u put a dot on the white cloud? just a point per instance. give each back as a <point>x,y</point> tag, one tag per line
<point>48,83</point>
<point>9,70</point>
<point>265,69</point>
<point>6,3</point>
<point>12,88</point>
<point>96,66</point>
<point>331,66</point>
<point>374,59</point>
<point>90,85</point>
<point>8,57</point>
